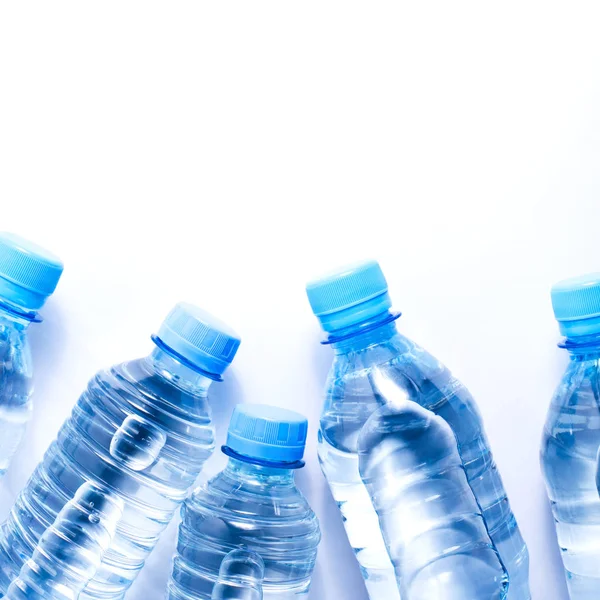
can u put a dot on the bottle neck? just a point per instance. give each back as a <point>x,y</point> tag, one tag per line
<point>182,375</point>
<point>375,330</point>
<point>582,347</point>
<point>18,315</point>
<point>260,473</point>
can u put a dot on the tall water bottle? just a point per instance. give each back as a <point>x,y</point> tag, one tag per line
<point>142,430</point>
<point>571,438</point>
<point>28,275</point>
<point>428,515</point>
<point>240,577</point>
<point>253,504</point>
<point>71,549</point>
<point>372,360</point>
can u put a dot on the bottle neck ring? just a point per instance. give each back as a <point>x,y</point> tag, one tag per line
<point>366,333</point>
<point>298,464</point>
<point>581,344</point>
<point>20,314</point>
<point>183,360</point>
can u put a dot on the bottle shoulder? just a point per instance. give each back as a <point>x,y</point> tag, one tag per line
<point>137,384</point>
<point>398,358</point>
<point>573,418</point>
<point>580,377</point>
<point>247,499</point>
<point>400,370</point>
<point>273,520</point>
<point>130,401</point>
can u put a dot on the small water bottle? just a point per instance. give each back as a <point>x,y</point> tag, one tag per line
<point>28,276</point>
<point>71,550</point>
<point>141,430</point>
<point>253,504</point>
<point>372,360</point>
<point>428,515</point>
<point>571,439</point>
<point>240,577</point>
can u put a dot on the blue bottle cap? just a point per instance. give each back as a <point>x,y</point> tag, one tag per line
<point>576,304</point>
<point>28,273</point>
<point>349,296</point>
<point>267,433</point>
<point>197,336</point>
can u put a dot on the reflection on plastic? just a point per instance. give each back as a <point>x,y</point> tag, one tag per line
<point>240,577</point>
<point>432,525</point>
<point>71,551</point>
<point>137,443</point>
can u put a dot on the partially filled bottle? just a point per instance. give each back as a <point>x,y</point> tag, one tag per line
<point>28,276</point>
<point>240,577</point>
<point>253,504</point>
<point>428,515</point>
<point>571,439</point>
<point>142,431</point>
<point>71,549</point>
<point>373,362</point>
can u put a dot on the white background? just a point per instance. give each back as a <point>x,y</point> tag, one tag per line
<point>225,152</point>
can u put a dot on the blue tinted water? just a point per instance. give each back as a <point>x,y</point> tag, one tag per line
<point>240,577</point>
<point>372,363</point>
<point>569,457</point>
<point>142,431</point>
<point>430,520</point>
<point>247,506</point>
<point>15,382</point>
<point>71,550</point>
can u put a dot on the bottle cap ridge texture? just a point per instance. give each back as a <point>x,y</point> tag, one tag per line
<point>576,304</point>
<point>200,338</point>
<point>349,295</point>
<point>267,433</point>
<point>28,272</point>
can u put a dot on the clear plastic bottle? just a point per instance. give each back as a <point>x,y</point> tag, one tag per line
<point>428,515</point>
<point>142,430</point>
<point>571,438</point>
<point>253,504</point>
<point>372,362</point>
<point>240,577</point>
<point>71,549</point>
<point>28,276</point>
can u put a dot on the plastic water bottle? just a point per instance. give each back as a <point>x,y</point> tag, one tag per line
<point>372,361</point>
<point>28,275</point>
<point>571,437</point>
<point>240,577</point>
<point>253,504</point>
<point>142,430</point>
<point>71,550</point>
<point>430,520</point>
